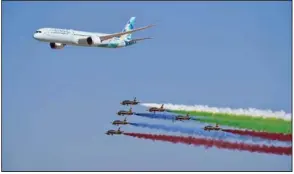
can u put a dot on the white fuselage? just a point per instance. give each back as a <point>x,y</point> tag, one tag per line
<point>72,37</point>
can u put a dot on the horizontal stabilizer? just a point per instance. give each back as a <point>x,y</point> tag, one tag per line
<point>140,39</point>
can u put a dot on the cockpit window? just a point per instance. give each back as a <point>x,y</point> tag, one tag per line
<point>38,31</point>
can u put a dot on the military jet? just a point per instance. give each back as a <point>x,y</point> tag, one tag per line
<point>129,102</point>
<point>122,112</point>
<point>181,117</point>
<point>112,132</point>
<point>118,122</point>
<point>209,128</point>
<point>155,109</point>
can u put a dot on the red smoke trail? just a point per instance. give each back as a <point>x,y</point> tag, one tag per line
<point>265,135</point>
<point>216,143</point>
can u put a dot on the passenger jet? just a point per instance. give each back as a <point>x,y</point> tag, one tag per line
<point>58,38</point>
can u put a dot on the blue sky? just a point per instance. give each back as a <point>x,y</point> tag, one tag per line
<point>57,104</point>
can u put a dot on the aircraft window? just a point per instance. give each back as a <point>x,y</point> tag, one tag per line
<point>38,32</point>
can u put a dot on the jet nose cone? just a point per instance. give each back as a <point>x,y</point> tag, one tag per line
<point>35,36</point>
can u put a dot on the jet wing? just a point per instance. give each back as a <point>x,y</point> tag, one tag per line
<point>83,40</point>
<point>106,37</point>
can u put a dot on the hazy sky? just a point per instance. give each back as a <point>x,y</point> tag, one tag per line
<point>57,104</point>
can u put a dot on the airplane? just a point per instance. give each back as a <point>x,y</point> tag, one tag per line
<point>209,128</point>
<point>155,109</point>
<point>112,132</point>
<point>118,122</point>
<point>129,102</point>
<point>59,38</point>
<point>181,117</point>
<point>122,112</point>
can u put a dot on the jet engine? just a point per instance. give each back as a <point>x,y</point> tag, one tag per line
<point>56,45</point>
<point>93,40</point>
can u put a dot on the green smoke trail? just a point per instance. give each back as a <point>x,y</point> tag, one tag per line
<point>245,122</point>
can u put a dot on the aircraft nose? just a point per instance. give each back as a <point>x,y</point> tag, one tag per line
<point>36,36</point>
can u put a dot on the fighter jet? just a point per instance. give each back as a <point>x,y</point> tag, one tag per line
<point>181,117</point>
<point>112,132</point>
<point>122,112</point>
<point>129,102</point>
<point>118,122</point>
<point>209,128</point>
<point>155,109</point>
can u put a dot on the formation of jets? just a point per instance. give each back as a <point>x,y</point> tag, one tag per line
<point>122,113</point>
<point>153,110</point>
<point>59,38</point>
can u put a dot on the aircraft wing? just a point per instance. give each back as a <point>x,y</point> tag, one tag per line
<point>140,39</point>
<point>109,36</point>
<point>83,40</point>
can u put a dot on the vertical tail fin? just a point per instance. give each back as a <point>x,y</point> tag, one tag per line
<point>162,106</point>
<point>129,26</point>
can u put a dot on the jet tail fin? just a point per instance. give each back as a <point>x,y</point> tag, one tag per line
<point>162,106</point>
<point>128,27</point>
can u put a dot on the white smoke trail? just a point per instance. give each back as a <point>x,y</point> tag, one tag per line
<point>204,108</point>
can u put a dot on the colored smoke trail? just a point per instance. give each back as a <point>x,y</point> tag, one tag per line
<point>215,143</point>
<point>257,126</point>
<point>248,124</point>
<point>261,124</point>
<point>236,112</point>
<point>196,131</point>
<point>232,117</point>
<point>265,135</point>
